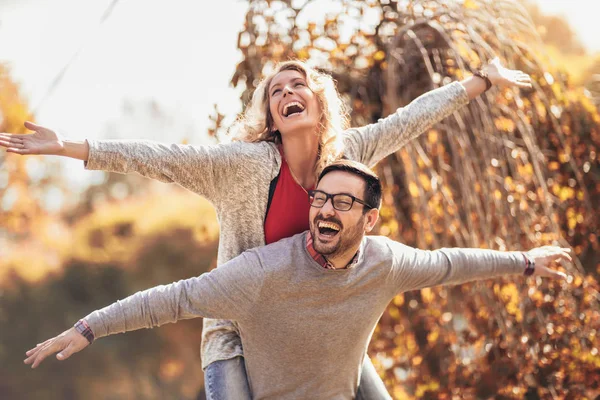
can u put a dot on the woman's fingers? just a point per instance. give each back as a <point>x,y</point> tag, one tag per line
<point>523,84</point>
<point>18,150</point>
<point>8,139</point>
<point>14,143</point>
<point>31,126</point>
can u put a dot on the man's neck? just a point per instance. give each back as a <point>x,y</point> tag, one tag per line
<point>301,152</point>
<point>341,261</point>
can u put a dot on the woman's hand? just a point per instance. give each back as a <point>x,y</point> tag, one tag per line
<point>42,141</point>
<point>68,343</point>
<point>503,77</point>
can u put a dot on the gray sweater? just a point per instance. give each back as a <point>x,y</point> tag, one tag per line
<point>235,178</point>
<point>305,329</point>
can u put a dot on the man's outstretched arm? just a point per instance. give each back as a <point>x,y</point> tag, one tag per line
<point>416,269</point>
<point>229,291</point>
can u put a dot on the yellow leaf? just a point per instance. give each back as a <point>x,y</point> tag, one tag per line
<point>413,189</point>
<point>380,55</point>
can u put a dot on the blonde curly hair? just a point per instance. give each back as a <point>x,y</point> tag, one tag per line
<point>256,123</point>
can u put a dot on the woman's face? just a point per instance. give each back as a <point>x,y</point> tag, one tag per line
<point>293,105</point>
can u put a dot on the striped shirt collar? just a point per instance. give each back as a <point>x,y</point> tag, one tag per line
<point>320,258</point>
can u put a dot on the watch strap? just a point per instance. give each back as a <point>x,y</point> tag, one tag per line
<point>529,265</point>
<point>84,329</point>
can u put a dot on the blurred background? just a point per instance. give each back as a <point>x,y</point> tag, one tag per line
<point>513,170</point>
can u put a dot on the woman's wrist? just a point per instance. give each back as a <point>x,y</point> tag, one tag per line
<point>75,149</point>
<point>482,74</point>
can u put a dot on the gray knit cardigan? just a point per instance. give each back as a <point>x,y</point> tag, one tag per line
<point>236,176</point>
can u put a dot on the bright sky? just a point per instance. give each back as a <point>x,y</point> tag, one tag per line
<point>582,15</point>
<point>180,54</point>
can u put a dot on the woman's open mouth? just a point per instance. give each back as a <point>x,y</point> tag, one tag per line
<point>292,109</point>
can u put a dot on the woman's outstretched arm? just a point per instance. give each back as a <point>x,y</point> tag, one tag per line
<point>44,141</point>
<point>371,143</point>
<point>206,170</point>
<point>498,76</point>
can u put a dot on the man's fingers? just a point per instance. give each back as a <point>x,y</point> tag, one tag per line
<point>44,342</point>
<point>565,256</point>
<point>50,348</point>
<point>550,273</point>
<point>33,353</point>
<point>38,347</point>
<point>67,352</point>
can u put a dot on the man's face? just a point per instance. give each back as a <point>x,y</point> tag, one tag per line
<point>335,232</point>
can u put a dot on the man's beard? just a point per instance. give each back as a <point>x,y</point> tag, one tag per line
<point>344,240</point>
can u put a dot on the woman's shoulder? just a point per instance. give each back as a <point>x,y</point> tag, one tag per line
<point>257,156</point>
<point>254,148</point>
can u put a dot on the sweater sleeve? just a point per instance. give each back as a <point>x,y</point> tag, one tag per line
<point>228,292</point>
<point>205,170</point>
<point>371,143</point>
<point>417,269</point>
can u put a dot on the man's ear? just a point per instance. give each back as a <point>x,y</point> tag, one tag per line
<point>371,218</point>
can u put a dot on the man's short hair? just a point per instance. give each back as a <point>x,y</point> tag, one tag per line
<point>372,194</point>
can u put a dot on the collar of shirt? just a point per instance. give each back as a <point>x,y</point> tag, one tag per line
<point>320,258</point>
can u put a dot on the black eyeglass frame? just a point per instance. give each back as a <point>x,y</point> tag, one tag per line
<point>311,195</point>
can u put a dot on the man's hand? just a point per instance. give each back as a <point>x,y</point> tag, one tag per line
<point>67,343</point>
<point>546,255</point>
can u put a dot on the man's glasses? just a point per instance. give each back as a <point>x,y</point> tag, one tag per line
<point>340,201</point>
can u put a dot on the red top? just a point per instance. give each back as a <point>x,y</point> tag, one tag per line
<point>288,214</point>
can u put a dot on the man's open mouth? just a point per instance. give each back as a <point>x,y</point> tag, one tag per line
<point>328,229</point>
<point>292,108</point>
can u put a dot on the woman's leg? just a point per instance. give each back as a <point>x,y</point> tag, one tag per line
<point>227,380</point>
<point>371,386</point>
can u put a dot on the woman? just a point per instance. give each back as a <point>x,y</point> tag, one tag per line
<point>295,125</point>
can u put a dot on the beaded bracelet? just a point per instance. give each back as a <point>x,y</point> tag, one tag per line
<point>483,75</point>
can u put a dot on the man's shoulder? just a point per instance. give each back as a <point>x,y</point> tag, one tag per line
<point>378,241</point>
<point>281,252</point>
<point>385,245</point>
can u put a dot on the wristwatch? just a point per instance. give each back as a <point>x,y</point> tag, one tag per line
<point>484,75</point>
<point>84,329</point>
<point>529,265</point>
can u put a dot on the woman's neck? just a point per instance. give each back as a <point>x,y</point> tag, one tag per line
<point>301,153</point>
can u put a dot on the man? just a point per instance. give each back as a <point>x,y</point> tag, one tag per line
<point>307,306</point>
